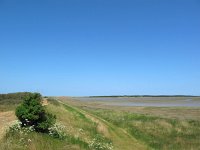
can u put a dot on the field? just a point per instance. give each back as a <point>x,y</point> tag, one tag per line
<point>94,124</point>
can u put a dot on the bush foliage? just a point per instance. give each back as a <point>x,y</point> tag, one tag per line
<point>32,113</point>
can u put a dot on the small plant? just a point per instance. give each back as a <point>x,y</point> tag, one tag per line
<point>57,131</point>
<point>32,113</point>
<point>100,143</point>
<point>20,133</point>
<point>16,126</point>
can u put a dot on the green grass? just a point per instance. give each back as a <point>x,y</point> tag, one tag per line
<point>120,139</point>
<point>40,141</point>
<point>125,129</point>
<point>156,132</point>
<point>74,120</point>
<point>80,131</point>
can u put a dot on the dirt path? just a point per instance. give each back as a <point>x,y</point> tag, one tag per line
<point>5,119</point>
<point>44,102</point>
<point>120,138</point>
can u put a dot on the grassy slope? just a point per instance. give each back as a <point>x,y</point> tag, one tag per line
<point>171,128</point>
<point>156,132</point>
<point>121,139</point>
<point>11,100</point>
<point>39,141</point>
<point>80,131</point>
<point>126,130</point>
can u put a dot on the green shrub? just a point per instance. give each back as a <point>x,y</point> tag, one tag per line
<point>32,113</point>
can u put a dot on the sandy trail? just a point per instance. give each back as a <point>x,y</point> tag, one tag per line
<point>5,119</point>
<point>44,102</point>
<point>121,139</point>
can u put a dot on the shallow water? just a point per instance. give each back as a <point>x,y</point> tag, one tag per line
<point>145,101</point>
<point>193,104</point>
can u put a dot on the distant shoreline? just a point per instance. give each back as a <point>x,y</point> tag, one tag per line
<point>145,96</point>
<point>96,96</point>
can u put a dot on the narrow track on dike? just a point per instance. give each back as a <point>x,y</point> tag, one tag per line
<point>120,138</point>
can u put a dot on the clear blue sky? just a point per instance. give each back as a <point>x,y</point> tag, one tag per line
<point>100,47</point>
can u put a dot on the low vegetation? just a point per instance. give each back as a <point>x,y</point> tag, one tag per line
<point>87,128</point>
<point>156,132</point>
<point>11,101</point>
<point>72,130</point>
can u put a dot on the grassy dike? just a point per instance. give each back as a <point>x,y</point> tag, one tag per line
<point>89,128</point>
<point>81,133</point>
<point>120,138</point>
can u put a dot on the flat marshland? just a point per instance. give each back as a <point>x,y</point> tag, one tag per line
<point>109,123</point>
<point>174,126</point>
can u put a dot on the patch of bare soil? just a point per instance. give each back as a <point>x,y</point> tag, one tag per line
<point>44,102</point>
